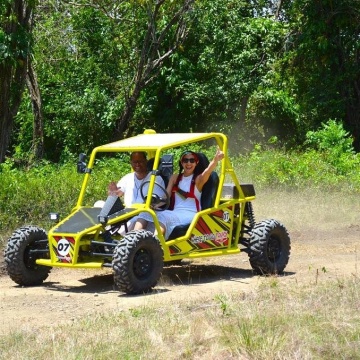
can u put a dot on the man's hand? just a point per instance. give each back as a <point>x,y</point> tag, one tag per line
<point>112,189</point>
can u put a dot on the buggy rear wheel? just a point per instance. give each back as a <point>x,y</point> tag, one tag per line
<point>23,248</point>
<point>137,262</point>
<point>269,247</point>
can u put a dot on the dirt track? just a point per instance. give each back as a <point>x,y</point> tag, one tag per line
<point>329,251</point>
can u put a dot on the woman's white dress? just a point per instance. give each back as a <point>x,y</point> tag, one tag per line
<point>183,212</point>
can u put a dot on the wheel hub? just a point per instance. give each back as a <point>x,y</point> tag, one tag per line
<point>274,248</point>
<point>142,263</point>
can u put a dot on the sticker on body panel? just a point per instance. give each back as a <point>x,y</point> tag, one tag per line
<point>64,249</point>
<point>212,230</point>
<point>218,238</point>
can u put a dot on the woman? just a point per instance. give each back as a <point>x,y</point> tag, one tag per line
<point>184,190</point>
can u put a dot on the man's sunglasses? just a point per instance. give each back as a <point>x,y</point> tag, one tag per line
<point>138,161</point>
<point>187,160</point>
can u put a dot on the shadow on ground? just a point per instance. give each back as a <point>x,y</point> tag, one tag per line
<point>177,275</point>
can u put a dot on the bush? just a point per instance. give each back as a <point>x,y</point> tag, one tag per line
<point>328,162</point>
<point>332,138</point>
<point>28,195</point>
<point>299,170</point>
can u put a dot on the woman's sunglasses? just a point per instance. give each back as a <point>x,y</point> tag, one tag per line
<point>187,160</point>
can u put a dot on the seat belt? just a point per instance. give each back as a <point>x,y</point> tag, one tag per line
<point>184,194</point>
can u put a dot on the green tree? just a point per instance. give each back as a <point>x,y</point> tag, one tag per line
<point>15,50</point>
<point>79,66</point>
<point>166,29</point>
<point>208,83</point>
<point>323,62</point>
<point>93,59</point>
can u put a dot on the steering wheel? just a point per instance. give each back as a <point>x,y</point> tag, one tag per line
<point>155,198</point>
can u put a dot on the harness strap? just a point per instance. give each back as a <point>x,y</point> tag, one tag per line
<point>185,194</point>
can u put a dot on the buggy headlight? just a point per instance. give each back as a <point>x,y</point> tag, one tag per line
<point>54,217</point>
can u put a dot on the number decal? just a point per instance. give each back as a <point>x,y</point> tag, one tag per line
<point>63,247</point>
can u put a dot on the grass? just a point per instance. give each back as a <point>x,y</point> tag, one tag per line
<point>310,208</point>
<point>277,321</point>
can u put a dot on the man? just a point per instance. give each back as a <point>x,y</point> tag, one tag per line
<point>129,185</point>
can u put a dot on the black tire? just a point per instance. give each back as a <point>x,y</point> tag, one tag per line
<point>23,248</point>
<point>269,247</point>
<point>137,262</point>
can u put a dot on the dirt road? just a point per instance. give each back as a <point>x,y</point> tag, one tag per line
<point>319,253</point>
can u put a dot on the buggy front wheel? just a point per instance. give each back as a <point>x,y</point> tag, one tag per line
<point>23,248</point>
<point>137,262</point>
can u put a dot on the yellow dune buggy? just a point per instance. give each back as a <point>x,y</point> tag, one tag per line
<point>98,237</point>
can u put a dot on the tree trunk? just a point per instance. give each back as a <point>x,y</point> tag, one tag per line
<point>239,124</point>
<point>12,86</point>
<point>243,109</point>
<point>13,68</point>
<point>5,113</point>
<point>124,120</point>
<point>278,9</point>
<point>153,53</point>
<point>38,128</point>
<point>352,116</point>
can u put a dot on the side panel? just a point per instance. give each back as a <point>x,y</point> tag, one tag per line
<point>212,231</point>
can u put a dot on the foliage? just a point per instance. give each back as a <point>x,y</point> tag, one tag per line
<point>27,195</point>
<point>80,91</point>
<point>92,66</point>
<point>329,161</point>
<point>15,51</point>
<point>273,113</point>
<point>255,70</point>
<point>15,37</point>
<point>297,170</point>
<point>207,84</point>
<point>331,138</point>
<point>321,66</point>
